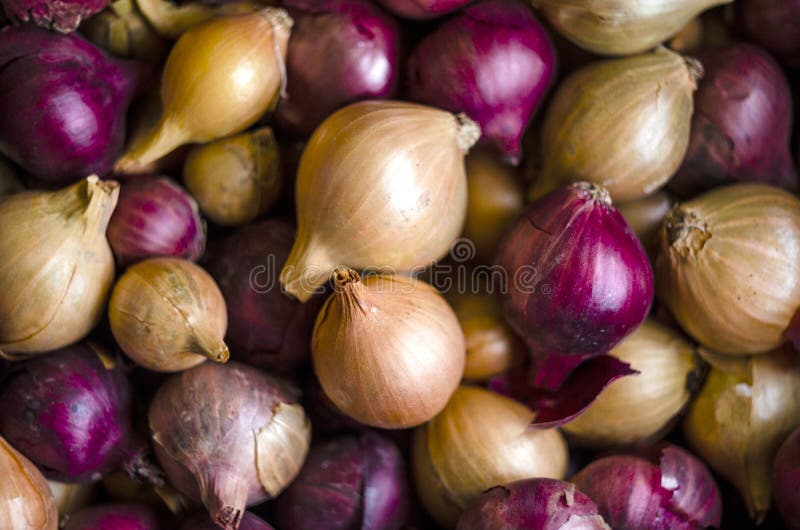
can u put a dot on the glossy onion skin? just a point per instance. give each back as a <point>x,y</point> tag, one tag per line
<point>113,517</point>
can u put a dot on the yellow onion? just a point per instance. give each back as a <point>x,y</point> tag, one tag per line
<point>621,123</point>
<point>122,30</point>
<point>614,27</point>
<point>729,267</point>
<point>478,441</point>
<point>220,77</point>
<point>26,502</point>
<point>388,350</point>
<point>235,179</point>
<point>641,407</point>
<point>171,20</point>
<point>745,410</point>
<point>168,315</point>
<point>646,215</point>
<point>380,184</point>
<point>70,497</point>
<point>56,267</point>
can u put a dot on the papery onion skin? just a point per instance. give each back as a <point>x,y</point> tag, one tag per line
<point>786,480</point>
<point>645,217</point>
<point>113,517</point>
<point>348,483</point>
<point>495,62</point>
<point>534,504</point>
<point>729,267</point>
<point>64,103</point>
<point>26,502</point>
<point>249,522</point>
<point>155,217</point>
<point>742,123</point>
<point>774,24</point>
<point>340,51</point>
<point>229,436</point>
<point>123,31</point>
<point>422,9</point>
<point>60,15</point>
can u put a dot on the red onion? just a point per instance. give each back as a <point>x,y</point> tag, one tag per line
<point>533,504</point>
<point>420,9</point>
<point>494,61</point>
<point>578,279</point>
<point>786,481</point>
<point>741,125</point>
<point>63,103</point>
<point>324,415</point>
<point>348,483</point>
<point>228,435</point>
<point>70,415</point>
<point>340,51</point>
<point>60,15</point>
<point>155,217</point>
<point>775,24</point>
<point>113,517</point>
<point>668,489</point>
<point>249,522</point>
<point>266,328</point>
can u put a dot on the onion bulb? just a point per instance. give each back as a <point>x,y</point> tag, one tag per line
<point>729,267</point>
<point>388,350</point>
<point>172,19</point>
<point>220,77</point>
<point>122,30</point>
<point>380,184</point>
<point>56,267</point>
<point>786,480</point>
<point>71,497</point>
<point>26,502</point>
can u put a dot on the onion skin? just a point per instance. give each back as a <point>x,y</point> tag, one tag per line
<point>579,280</point>
<point>26,502</point>
<point>646,215</point>
<point>340,51</point>
<point>348,483</point>
<point>155,217</point>
<point>667,490</point>
<point>534,504</point>
<point>113,517</point>
<point>249,522</point>
<point>60,15</point>
<point>774,24</point>
<point>64,102</point>
<point>495,62</point>
<point>422,9</point>
<point>742,123</point>
<point>786,480</point>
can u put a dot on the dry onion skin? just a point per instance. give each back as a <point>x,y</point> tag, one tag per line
<point>388,350</point>
<point>729,267</point>
<point>622,123</point>
<point>57,266</point>
<point>26,502</point>
<point>480,440</point>
<point>614,27</point>
<point>380,184</point>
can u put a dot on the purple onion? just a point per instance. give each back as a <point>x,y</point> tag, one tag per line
<point>71,416</point>
<point>668,489</point>
<point>774,24</point>
<point>203,522</point>
<point>63,103</point>
<point>533,504</point>
<point>495,62</point>
<point>742,123</point>
<point>786,481</point>
<point>421,9</point>
<point>340,52</point>
<point>578,279</point>
<point>324,415</point>
<point>155,217</point>
<point>266,328</point>
<point>348,483</point>
<point>113,517</point>
<point>60,15</point>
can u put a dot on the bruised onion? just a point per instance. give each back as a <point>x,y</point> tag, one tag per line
<point>60,15</point>
<point>420,9</point>
<point>413,158</point>
<point>348,483</point>
<point>341,51</point>
<point>742,123</point>
<point>248,522</point>
<point>168,315</point>
<point>387,350</point>
<point>668,489</point>
<point>155,217</point>
<point>63,103</point>
<point>494,61</point>
<point>578,280</point>
<point>25,500</point>
<point>56,268</point>
<point>113,517</point>
<point>729,267</point>
<point>534,504</point>
<point>229,436</point>
<point>774,24</point>
<point>786,480</point>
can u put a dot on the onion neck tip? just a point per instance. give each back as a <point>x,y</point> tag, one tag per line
<point>696,70</point>
<point>685,232</point>
<point>468,132</point>
<point>343,276</point>
<point>595,191</point>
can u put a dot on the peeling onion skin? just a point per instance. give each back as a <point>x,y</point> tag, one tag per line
<point>26,502</point>
<point>61,15</point>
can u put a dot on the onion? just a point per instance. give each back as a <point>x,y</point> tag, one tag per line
<point>9,181</point>
<point>155,217</point>
<point>786,480</point>
<point>266,328</point>
<point>25,500</point>
<point>348,483</point>
<point>742,123</point>
<point>71,497</point>
<point>578,279</point>
<point>645,217</point>
<point>668,489</point>
<point>113,517</point>
<point>70,413</point>
<point>775,24</point>
<point>324,415</point>
<point>533,504</point>
<point>229,436</point>
<point>123,31</point>
<point>494,61</point>
<point>423,8</point>
<point>249,522</point>
<point>60,15</point>
<point>63,101</point>
<point>341,51</point>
